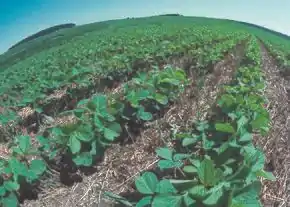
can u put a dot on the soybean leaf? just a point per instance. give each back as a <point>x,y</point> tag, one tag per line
<point>144,201</point>
<point>224,127</point>
<point>83,159</point>
<point>146,183</point>
<point>10,201</point>
<point>167,201</point>
<point>37,166</point>
<point>266,175</point>
<point>165,186</point>
<point>74,144</point>
<point>167,164</point>
<point>164,153</point>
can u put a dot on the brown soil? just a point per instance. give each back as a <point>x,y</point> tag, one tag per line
<point>277,144</point>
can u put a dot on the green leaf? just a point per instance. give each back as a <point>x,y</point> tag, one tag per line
<point>118,198</point>
<point>11,186</point>
<point>162,99</point>
<point>98,123</point>
<point>242,122</point>
<point>146,116</point>
<point>198,191</point>
<point>189,169</point>
<point>249,195</point>
<point>85,137</point>
<point>189,141</point>
<point>146,183</point>
<point>83,159</point>
<point>167,164</point>
<point>164,153</point>
<point>2,190</point>
<point>207,172</point>
<point>144,201</point>
<point>24,143</point>
<point>10,201</point>
<point>246,137</point>
<point>214,197</point>
<point>17,167</point>
<point>224,127</point>
<point>167,201</point>
<point>165,186</point>
<point>116,127</point>
<point>266,175</point>
<point>74,144</point>
<point>260,122</point>
<point>110,134</point>
<point>37,166</point>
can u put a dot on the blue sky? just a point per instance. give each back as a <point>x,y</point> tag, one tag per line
<point>19,18</point>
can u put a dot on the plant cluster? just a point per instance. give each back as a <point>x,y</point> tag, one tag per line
<point>219,164</point>
<point>98,122</point>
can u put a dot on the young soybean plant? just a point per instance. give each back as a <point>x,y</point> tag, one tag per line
<point>19,170</point>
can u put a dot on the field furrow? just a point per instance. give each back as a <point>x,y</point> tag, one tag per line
<point>276,144</point>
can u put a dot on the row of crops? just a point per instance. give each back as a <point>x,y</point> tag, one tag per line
<point>204,48</point>
<point>219,163</point>
<point>100,119</point>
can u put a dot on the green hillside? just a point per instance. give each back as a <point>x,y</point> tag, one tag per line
<point>73,97</point>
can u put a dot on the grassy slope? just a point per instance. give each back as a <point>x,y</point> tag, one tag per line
<point>60,37</point>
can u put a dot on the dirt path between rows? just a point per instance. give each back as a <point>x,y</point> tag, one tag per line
<point>277,144</point>
<point>123,163</point>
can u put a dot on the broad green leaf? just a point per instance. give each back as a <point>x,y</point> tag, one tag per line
<point>266,175</point>
<point>110,134</point>
<point>11,186</point>
<point>242,122</point>
<point>246,137</point>
<point>37,166</point>
<point>146,116</point>
<point>214,197</point>
<point>167,164</point>
<point>144,201</point>
<point>207,172</point>
<point>146,183</point>
<point>98,123</point>
<point>164,153</point>
<point>167,201</point>
<point>181,156</point>
<point>10,201</point>
<point>24,143</point>
<point>249,195</point>
<point>162,99</point>
<point>83,159</point>
<point>17,167</point>
<point>85,137</point>
<point>189,141</point>
<point>165,186</point>
<point>116,127</point>
<point>224,127</point>
<point>189,169</point>
<point>74,144</point>
<point>2,190</point>
<point>259,122</point>
<point>198,191</point>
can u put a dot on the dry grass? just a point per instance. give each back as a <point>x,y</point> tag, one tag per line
<point>276,144</point>
<point>123,163</point>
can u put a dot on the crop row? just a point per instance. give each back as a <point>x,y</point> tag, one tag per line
<point>100,54</point>
<point>202,60</point>
<point>220,165</point>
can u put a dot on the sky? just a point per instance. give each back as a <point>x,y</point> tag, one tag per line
<point>19,18</point>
